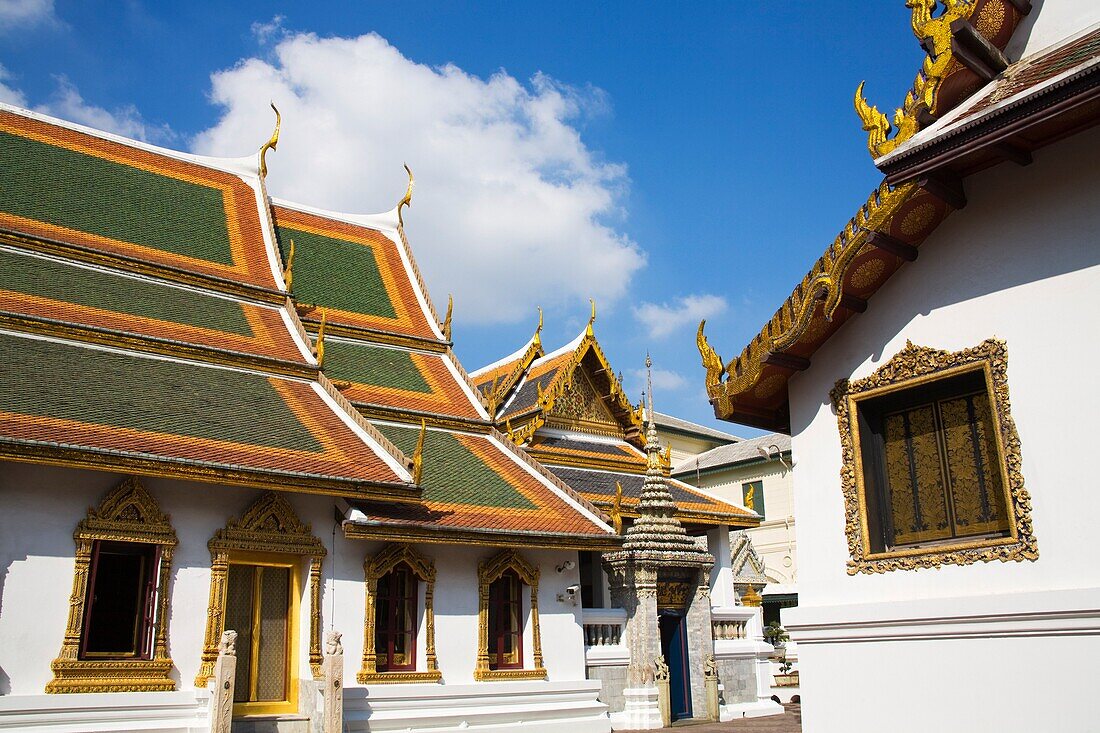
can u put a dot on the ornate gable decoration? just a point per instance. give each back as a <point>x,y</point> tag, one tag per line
<point>269,525</point>
<point>578,403</point>
<point>748,566</point>
<point>127,514</point>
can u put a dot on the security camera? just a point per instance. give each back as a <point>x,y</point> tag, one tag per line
<point>573,589</point>
<point>570,594</point>
<point>567,565</point>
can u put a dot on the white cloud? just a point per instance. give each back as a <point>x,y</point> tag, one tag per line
<point>664,381</point>
<point>663,318</point>
<point>26,14</point>
<point>10,94</point>
<point>264,32</point>
<point>511,207</point>
<point>67,103</point>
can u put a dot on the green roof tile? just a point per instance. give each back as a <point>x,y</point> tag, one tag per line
<point>70,189</point>
<point>454,474</point>
<point>107,291</point>
<point>55,380</point>
<point>335,273</point>
<point>373,365</point>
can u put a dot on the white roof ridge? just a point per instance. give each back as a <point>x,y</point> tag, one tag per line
<point>501,362</point>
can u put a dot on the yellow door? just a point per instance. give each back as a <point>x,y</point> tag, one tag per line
<point>261,606</point>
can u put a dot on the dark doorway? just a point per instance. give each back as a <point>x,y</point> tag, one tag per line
<point>674,648</point>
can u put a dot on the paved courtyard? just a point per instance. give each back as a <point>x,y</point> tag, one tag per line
<point>789,722</point>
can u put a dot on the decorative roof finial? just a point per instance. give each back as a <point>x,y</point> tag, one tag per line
<point>418,455</point>
<point>617,508</point>
<point>321,338</point>
<point>447,318</point>
<point>875,123</point>
<point>537,338</point>
<point>592,318</point>
<point>711,361</point>
<point>271,144</point>
<point>649,383</point>
<point>407,199</point>
<point>288,271</point>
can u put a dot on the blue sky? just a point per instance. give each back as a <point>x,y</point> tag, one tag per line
<point>674,160</point>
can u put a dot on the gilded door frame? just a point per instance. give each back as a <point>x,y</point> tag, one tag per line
<point>268,527</point>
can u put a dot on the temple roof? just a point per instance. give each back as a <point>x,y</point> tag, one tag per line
<point>745,451</point>
<point>159,315</point>
<point>970,108</point>
<point>481,482</point>
<point>567,410</point>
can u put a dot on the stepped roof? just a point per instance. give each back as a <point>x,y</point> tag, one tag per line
<point>176,321</point>
<point>145,325</point>
<point>567,409</point>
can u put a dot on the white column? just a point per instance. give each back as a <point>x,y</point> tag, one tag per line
<point>721,575</point>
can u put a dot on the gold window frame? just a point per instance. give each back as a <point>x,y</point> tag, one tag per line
<point>424,569</point>
<point>488,571</point>
<point>128,513</point>
<point>911,367</point>
<point>268,528</point>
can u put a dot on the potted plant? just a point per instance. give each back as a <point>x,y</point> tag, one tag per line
<point>776,635</point>
<point>786,678</point>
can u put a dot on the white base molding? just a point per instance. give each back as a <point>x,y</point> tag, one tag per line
<point>758,709</point>
<point>485,706</point>
<point>641,712</point>
<point>106,712</point>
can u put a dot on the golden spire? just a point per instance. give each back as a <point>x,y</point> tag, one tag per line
<point>617,509</point>
<point>407,199</point>
<point>288,272</point>
<point>447,318</point>
<point>271,144</point>
<point>592,318</point>
<point>321,338</point>
<point>537,338</point>
<point>418,455</point>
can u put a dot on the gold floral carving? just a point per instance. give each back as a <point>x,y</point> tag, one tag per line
<point>912,366</point>
<point>127,514</point>
<point>375,568</point>
<point>866,274</point>
<point>268,526</point>
<point>488,571</point>
<point>917,220</point>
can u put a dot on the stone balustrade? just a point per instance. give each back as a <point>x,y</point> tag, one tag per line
<point>603,635</point>
<point>733,622</point>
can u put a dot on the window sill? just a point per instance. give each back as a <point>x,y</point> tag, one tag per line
<point>482,675</point>
<point>111,675</point>
<point>365,678</point>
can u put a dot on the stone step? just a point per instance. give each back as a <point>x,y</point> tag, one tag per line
<point>271,724</point>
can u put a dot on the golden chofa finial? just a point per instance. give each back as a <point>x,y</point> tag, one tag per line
<point>447,318</point>
<point>320,348</point>
<point>592,318</point>
<point>711,361</point>
<point>408,197</point>
<point>875,123</point>
<point>271,144</point>
<point>537,338</point>
<point>288,271</point>
<point>617,509</point>
<point>418,456</point>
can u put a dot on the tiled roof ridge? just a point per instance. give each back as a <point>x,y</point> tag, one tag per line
<point>298,328</point>
<point>418,277</point>
<point>241,165</point>
<point>663,419</point>
<point>515,355</point>
<point>473,392</point>
<point>688,465</point>
<point>362,422</point>
<point>547,475</point>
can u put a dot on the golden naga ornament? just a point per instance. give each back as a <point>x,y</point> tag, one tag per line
<point>447,318</point>
<point>320,348</point>
<point>418,456</point>
<point>288,273</point>
<point>272,143</point>
<point>407,199</point>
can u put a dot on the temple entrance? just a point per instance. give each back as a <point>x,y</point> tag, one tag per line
<point>673,625</point>
<point>260,607</point>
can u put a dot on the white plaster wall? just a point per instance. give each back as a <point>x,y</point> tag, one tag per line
<point>42,505</point>
<point>1020,263</point>
<point>1049,22</point>
<point>684,447</point>
<point>775,538</point>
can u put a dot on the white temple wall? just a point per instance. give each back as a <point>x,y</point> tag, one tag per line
<point>1020,263</point>
<point>1049,22</point>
